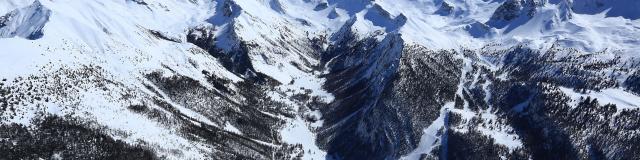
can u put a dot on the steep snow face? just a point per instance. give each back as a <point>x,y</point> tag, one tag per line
<point>25,22</point>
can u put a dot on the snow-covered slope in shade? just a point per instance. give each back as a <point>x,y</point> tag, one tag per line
<point>25,22</point>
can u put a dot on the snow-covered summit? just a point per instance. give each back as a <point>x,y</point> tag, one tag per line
<point>25,22</point>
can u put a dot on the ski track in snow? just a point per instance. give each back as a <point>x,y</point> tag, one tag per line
<point>429,137</point>
<point>297,132</point>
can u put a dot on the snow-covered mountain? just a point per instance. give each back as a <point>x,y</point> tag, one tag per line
<point>319,79</point>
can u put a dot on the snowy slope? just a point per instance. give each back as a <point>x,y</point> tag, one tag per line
<point>314,79</point>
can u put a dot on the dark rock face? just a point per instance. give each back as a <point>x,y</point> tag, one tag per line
<point>386,93</point>
<point>140,2</point>
<point>633,82</point>
<point>514,13</point>
<point>361,71</point>
<point>163,36</point>
<point>236,59</point>
<point>445,9</point>
<point>231,51</point>
<point>508,11</point>
<point>4,20</point>
<point>321,6</point>
<point>479,30</point>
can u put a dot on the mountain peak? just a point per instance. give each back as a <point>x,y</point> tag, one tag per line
<point>25,22</point>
